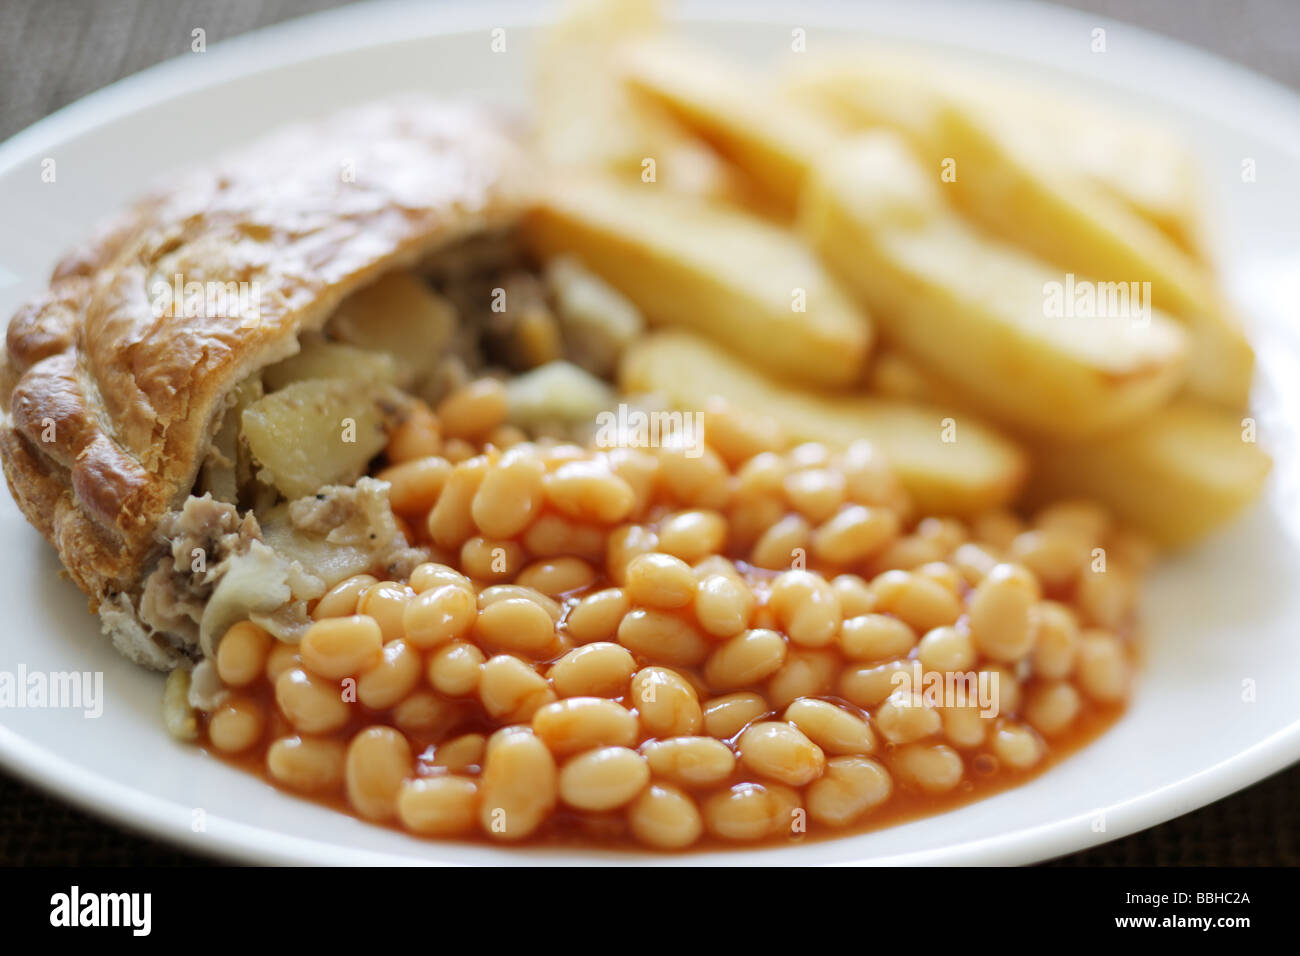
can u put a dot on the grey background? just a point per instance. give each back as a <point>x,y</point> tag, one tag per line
<point>55,51</point>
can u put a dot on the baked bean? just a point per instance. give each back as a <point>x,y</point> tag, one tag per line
<point>423,712</point>
<point>692,535</point>
<point>745,659</point>
<point>1004,687</point>
<point>386,603</point>
<point>506,592</point>
<point>430,577</point>
<point>764,474</point>
<point>1084,519</point>
<point>999,613</point>
<point>511,690</point>
<point>283,657</point>
<point>556,576</point>
<point>384,684</point>
<point>419,435</point>
<point>921,603</point>
<point>694,476</point>
<point>1055,557</point>
<point>455,668</point>
<point>450,522</point>
<point>690,762</point>
<point>974,562</point>
<point>519,785</point>
<point>516,625</point>
<point>463,754</point>
<point>869,479</point>
<point>339,647</point>
<point>963,726</point>
<point>850,787</point>
<point>506,436</point>
<point>312,704</point>
<point>603,779</point>
<point>378,762</point>
<point>307,764</point>
<point>737,435</point>
<point>854,534</point>
<point>456,450</point>
<point>625,543</point>
<point>552,536</point>
<point>868,685</point>
<point>831,728</point>
<point>935,768</point>
<point>474,409</point>
<point>1051,708</point>
<point>750,517</point>
<point>597,616</point>
<point>1102,669</point>
<point>590,491</point>
<point>581,723</point>
<point>601,669</point>
<point>665,818</point>
<point>236,724</point>
<point>856,596</point>
<point>439,615</point>
<point>438,806</point>
<point>341,600</point>
<point>904,717</point>
<point>809,454</point>
<point>781,751</point>
<point>667,703</point>
<point>491,559</point>
<point>662,637</point>
<point>1016,746</point>
<point>816,493</point>
<point>907,553</point>
<point>726,716</point>
<point>805,673</point>
<point>660,580</point>
<point>807,608</point>
<point>510,496</point>
<point>1106,598</point>
<point>875,637</point>
<point>778,545</point>
<point>242,653</point>
<point>1056,640</point>
<point>745,812</point>
<point>639,469</point>
<point>943,573</point>
<point>723,605</point>
<point>719,565</point>
<point>415,484</point>
<point>947,650</point>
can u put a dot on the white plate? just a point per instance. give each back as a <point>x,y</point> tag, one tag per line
<point>1221,618</point>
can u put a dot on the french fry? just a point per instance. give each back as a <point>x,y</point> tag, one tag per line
<point>773,141</point>
<point>1140,164</point>
<point>748,284</point>
<point>587,118</point>
<point>1185,470</point>
<point>1064,182</point>
<point>972,309</point>
<point>978,470</point>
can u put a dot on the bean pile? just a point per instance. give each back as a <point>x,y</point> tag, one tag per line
<point>669,642</point>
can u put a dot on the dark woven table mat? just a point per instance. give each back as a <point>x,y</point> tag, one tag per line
<point>54,51</point>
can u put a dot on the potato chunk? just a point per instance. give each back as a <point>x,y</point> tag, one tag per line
<point>322,359</point>
<point>318,432</point>
<point>401,316</point>
<point>750,285</point>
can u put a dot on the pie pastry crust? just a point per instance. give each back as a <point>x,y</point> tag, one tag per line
<point>109,407</point>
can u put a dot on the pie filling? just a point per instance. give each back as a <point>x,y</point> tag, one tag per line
<point>411,581</point>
